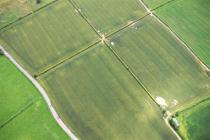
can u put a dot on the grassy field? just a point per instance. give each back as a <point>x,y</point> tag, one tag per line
<point>104,15</point>
<point>195,122</point>
<point>42,39</point>
<point>11,10</point>
<point>16,94</point>
<point>92,91</point>
<point>155,3</point>
<point>99,99</point>
<point>163,65</point>
<point>191,21</point>
<point>10,77</point>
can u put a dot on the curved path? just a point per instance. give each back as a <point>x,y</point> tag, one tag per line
<point>44,94</point>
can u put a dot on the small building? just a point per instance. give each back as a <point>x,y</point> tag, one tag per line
<point>174,123</point>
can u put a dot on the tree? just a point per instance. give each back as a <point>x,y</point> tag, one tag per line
<point>38,1</point>
<point>1,52</point>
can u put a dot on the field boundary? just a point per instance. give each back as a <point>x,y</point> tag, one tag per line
<point>82,16</point>
<point>53,66</point>
<point>44,95</point>
<point>196,58</point>
<point>10,25</point>
<point>132,73</point>
<point>152,13</point>
<point>167,118</point>
<point>19,112</point>
<point>103,40</point>
<point>166,3</point>
<point>193,105</point>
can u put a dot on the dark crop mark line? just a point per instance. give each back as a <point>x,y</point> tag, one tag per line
<point>50,68</point>
<point>131,72</point>
<point>10,25</point>
<point>18,113</point>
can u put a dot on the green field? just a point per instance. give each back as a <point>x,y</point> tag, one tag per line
<point>98,92</point>
<point>16,94</point>
<point>106,18</point>
<point>155,3</point>
<point>42,39</point>
<point>163,65</point>
<point>196,122</point>
<point>11,10</point>
<point>99,99</point>
<point>191,21</point>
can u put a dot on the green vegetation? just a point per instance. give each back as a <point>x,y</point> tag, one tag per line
<point>48,37</point>
<point>102,100</point>
<point>93,91</point>
<point>11,10</point>
<point>162,64</point>
<point>18,94</point>
<point>191,21</point>
<point>155,3</point>
<point>16,91</point>
<point>108,16</point>
<point>195,122</point>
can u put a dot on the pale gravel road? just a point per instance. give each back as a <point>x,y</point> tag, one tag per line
<point>44,94</point>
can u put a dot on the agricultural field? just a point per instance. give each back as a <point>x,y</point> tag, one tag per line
<point>111,106</point>
<point>196,122</point>
<point>24,114</point>
<point>12,10</point>
<point>103,64</point>
<point>110,18</point>
<point>191,22</point>
<point>41,40</point>
<point>161,62</point>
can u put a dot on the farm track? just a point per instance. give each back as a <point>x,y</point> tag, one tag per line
<point>150,13</point>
